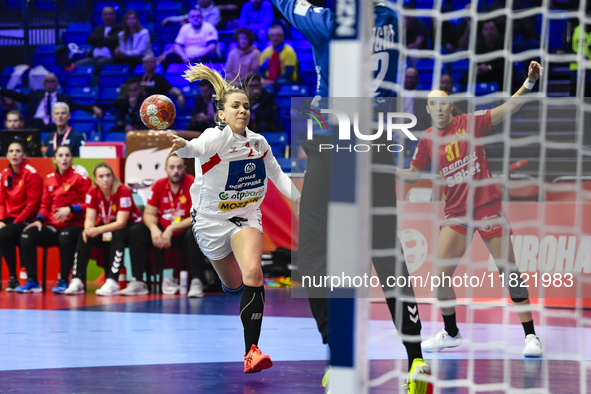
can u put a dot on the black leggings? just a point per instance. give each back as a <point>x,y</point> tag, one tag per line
<point>10,237</point>
<point>116,246</point>
<point>313,237</point>
<point>140,242</point>
<point>48,236</point>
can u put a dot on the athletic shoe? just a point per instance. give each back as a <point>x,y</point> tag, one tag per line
<point>76,287</point>
<point>325,379</point>
<point>12,284</point>
<point>135,287</point>
<point>418,375</point>
<point>256,361</point>
<point>196,289</point>
<point>61,287</point>
<point>170,287</point>
<point>533,347</point>
<point>32,286</point>
<point>110,288</point>
<point>441,341</point>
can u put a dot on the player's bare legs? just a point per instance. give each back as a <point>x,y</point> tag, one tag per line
<point>242,269</point>
<point>495,246</point>
<point>450,249</point>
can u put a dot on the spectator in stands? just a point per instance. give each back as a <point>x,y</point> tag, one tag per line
<point>263,107</point>
<point>449,35</point>
<point>13,120</point>
<point>210,12</point>
<point>417,33</point>
<point>581,33</point>
<point>20,196</point>
<point>59,221</point>
<point>104,40</point>
<point>63,135</point>
<point>134,41</point>
<point>196,42</point>
<point>167,224</point>
<point>243,60</point>
<point>204,112</point>
<point>110,213</point>
<point>412,104</point>
<point>490,40</point>
<point>41,102</point>
<point>446,81</point>
<point>279,61</point>
<point>153,83</point>
<point>257,15</point>
<point>464,31</point>
<point>128,109</point>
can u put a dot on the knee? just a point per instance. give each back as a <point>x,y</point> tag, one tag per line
<point>27,237</point>
<point>252,275</point>
<point>68,237</point>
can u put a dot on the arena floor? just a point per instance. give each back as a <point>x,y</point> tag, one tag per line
<point>172,344</point>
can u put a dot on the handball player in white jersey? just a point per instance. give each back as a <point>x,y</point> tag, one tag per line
<point>234,166</point>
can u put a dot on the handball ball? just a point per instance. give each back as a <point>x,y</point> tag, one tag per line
<point>157,112</point>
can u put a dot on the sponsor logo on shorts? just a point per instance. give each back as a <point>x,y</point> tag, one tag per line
<point>230,205</point>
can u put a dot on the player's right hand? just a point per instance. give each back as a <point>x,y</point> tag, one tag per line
<point>177,142</point>
<point>36,224</point>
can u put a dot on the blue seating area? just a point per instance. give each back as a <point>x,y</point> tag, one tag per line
<point>85,88</point>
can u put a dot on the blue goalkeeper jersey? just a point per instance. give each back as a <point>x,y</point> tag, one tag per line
<point>316,24</point>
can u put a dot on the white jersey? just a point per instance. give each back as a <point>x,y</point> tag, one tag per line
<point>232,178</point>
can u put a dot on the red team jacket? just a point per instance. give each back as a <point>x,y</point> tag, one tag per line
<point>22,201</point>
<point>64,190</point>
<point>456,165</point>
<point>107,210</point>
<point>180,206</point>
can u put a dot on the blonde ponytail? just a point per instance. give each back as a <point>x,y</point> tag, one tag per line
<point>222,88</point>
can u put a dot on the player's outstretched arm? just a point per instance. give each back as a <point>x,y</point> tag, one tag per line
<point>410,176</point>
<point>499,113</point>
<point>177,142</point>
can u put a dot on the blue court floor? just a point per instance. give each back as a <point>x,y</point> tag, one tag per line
<point>167,345</point>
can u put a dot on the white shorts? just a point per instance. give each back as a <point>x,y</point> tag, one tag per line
<point>213,236</point>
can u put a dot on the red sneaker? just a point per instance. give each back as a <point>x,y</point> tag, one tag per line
<point>256,361</point>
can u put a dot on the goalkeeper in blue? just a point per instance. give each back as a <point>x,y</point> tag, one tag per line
<point>316,24</point>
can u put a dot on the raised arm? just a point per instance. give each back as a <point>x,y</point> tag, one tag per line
<point>508,108</point>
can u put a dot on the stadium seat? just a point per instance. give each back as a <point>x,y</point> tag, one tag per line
<point>84,95</point>
<point>44,55</point>
<point>284,163</point>
<point>176,68</point>
<point>296,35</point>
<point>219,67</point>
<point>484,88</point>
<point>156,49</point>
<point>115,137</point>
<point>109,94</point>
<point>190,93</point>
<point>113,75</point>
<point>83,122</point>
<point>5,76</point>
<point>80,77</point>
<point>77,33</point>
<point>278,141</point>
<point>95,136</point>
<point>143,9</point>
<point>46,5</point>
<point>293,91</point>
<point>139,70</point>
<point>165,9</point>
<point>107,123</point>
<point>556,34</point>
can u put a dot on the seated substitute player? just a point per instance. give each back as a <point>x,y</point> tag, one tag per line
<point>167,224</point>
<point>487,202</point>
<point>59,221</point>
<point>226,199</point>
<point>317,24</point>
<point>110,213</point>
<point>20,196</point>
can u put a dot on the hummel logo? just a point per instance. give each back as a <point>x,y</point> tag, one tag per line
<point>414,313</point>
<point>256,316</point>
<point>233,149</point>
